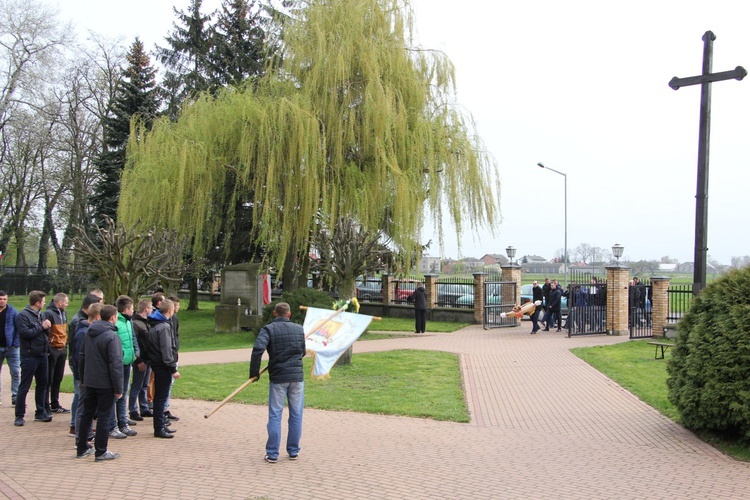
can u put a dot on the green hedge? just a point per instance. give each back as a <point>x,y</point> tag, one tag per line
<point>709,371</point>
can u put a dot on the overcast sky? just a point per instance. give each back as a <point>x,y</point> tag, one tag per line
<point>581,86</point>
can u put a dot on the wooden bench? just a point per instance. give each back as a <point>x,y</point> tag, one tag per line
<point>662,345</point>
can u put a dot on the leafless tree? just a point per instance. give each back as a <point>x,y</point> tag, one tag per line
<point>131,261</point>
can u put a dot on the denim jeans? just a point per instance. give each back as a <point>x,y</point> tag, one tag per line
<point>138,399</point>
<point>74,404</point>
<point>13,355</point>
<point>32,367</point>
<point>294,392</point>
<point>120,415</point>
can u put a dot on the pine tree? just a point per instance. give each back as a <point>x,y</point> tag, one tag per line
<point>237,44</point>
<point>186,57</point>
<point>136,96</point>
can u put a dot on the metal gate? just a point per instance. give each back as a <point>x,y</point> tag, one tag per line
<point>587,309</point>
<point>639,311</point>
<point>499,298</point>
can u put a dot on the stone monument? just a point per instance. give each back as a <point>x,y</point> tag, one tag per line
<point>241,304</point>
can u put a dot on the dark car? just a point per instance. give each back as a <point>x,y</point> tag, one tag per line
<point>370,290</point>
<point>449,293</point>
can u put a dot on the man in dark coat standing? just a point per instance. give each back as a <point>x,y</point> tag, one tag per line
<point>100,369</point>
<point>285,343</point>
<point>33,332</point>
<point>419,297</point>
<point>555,300</point>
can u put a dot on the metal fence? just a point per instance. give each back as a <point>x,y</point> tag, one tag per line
<point>402,289</point>
<point>587,311</point>
<point>499,298</point>
<point>16,281</point>
<point>680,300</point>
<point>455,292</point>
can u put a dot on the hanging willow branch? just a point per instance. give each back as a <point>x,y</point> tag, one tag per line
<point>354,123</point>
<point>131,261</point>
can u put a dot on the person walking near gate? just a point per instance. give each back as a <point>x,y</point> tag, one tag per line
<point>536,296</point>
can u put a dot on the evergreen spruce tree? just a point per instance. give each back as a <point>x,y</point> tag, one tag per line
<point>136,96</point>
<point>186,57</point>
<point>237,44</point>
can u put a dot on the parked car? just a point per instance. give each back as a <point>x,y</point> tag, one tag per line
<point>449,293</point>
<point>370,290</point>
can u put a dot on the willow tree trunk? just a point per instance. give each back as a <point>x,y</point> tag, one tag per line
<point>193,303</point>
<point>347,288</point>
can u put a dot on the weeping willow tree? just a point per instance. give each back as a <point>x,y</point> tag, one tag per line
<point>356,120</point>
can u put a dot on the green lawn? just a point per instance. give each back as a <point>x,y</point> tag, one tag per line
<point>632,365</point>
<point>423,384</point>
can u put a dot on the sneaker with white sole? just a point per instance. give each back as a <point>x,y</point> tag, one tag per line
<point>270,460</point>
<point>108,455</point>
<point>89,451</point>
<point>128,431</point>
<point>117,434</point>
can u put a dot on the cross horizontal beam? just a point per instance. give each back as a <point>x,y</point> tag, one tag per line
<point>737,73</point>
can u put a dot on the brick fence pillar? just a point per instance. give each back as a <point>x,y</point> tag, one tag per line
<point>387,281</point>
<point>659,304</point>
<point>512,272</point>
<point>430,286</point>
<point>617,299</point>
<point>479,297</point>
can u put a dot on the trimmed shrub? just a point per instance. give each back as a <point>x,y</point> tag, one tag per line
<point>299,297</point>
<point>709,371</point>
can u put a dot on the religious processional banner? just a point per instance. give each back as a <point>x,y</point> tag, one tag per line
<point>333,338</point>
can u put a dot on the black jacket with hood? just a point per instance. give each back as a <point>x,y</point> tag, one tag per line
<point>100,359</point>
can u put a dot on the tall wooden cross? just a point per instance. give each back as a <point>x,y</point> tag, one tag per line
<point>701,197</point>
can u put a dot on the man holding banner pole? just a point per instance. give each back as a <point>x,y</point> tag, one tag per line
<point>285,343</point>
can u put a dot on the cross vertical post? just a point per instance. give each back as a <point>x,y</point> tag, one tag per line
<point>701,197</point>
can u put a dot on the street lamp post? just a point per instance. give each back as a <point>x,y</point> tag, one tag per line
<point>565,250</point>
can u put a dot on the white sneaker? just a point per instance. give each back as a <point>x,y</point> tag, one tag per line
<point>117,434</point>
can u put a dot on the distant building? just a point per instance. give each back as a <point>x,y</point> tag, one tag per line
<point>528,259</point>
<point>543,267</point>
<point>494,258</point>
<point>430,265</point>
<point>689,268</point>
<point>667,268</point>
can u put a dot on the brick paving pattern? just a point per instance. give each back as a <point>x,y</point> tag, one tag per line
<point>543,425</point>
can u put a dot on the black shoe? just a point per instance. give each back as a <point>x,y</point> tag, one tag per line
<point>559,330</point>
<point>170,416</point>
<point>13,401</point>
<point>19,422</point>
<point>60,409</point>
<point>546,330</point>
<point>147,413</point>
<point>171,431</point>
<point>163,434</point>
<point>167,423</point>
<point>135,416</point>
<point>42,417</point>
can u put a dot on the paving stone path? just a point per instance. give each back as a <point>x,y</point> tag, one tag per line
<point>543,425</point>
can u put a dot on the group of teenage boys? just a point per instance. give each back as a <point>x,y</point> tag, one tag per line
<point>104,345</point>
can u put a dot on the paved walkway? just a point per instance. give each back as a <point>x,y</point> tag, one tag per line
<point>543,425</point>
